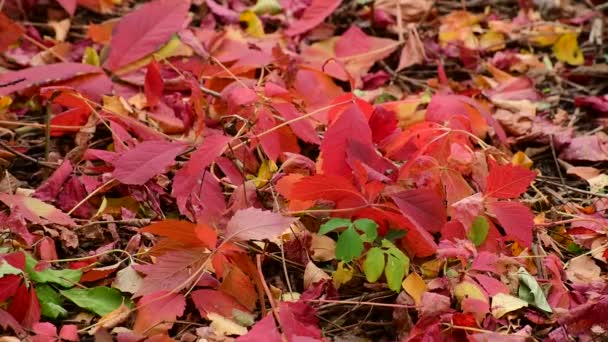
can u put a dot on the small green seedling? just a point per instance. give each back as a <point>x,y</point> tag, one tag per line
<point>382,257</point>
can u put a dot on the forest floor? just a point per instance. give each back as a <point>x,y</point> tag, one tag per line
<point>303,170</point>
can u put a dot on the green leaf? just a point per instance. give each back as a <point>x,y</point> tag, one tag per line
<point>394,234</point>
<point>374,264</point>
<point>50,302</point>
<point>368,227</point>
<point>349,245</point>
<point>395,271</point>
<point>65,278</point>
<point>479,231</point>
<point>397,253</point>
<point>267,6</point>
<point>6,268</point>
<point>333,224</point>
<point>530,291</point>
<point>100,300</point>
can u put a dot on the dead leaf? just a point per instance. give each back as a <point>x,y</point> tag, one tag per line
<point>224,326</point>
<point>323,248</point>
<point>415,286</point>
<point>127,280</point>
<point>502,304</point>
<point>313,274</point>
<point>583,270</point>
<point>114,318</point>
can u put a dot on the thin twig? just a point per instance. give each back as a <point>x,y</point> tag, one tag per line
<point>25,156</point>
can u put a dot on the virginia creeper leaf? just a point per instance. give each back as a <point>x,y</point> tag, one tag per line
<point>100,300</point>
<point>374,264</point>
<point>349,245</point>
<point>395,271</point>
<point>334,224</point>
<point>257,224</point>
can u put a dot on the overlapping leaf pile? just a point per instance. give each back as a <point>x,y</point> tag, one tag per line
<point>302,170</point>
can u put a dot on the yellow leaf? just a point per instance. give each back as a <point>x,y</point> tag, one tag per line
<point>468,289</point>
<point>265,172</point>
<point>5,102</point>
<point>414,286</point>
<point>504,303</point>
<point>224,326</point>
<point>255,27</point>
<point>521,159</point>
<point>90,56</point>
<point>343,274</point>
<point>431,269</point>
<point>492,41</point>
<point>566,49</point>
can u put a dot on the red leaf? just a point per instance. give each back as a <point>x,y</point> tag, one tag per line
<point>302,128</point>
<point>153,84</point>
<point>187,179</point>
<point>68,5</point>
<point>383,122</point>
<point>171,272</point>
<point>444,106</point>
<point>145,30</point>
<point>25,306</point>
<point>184,232</point>
<point>516,219</point>
<point>10,32</point>
<point>146,160</point>
<point>351,124</point>
<point>238,285</point>
<point>507,181</point>
<point>8,321</point>
<point>299,320</point>
<point>8,286</point>
<point>257,224</point>
<point>36,76</point>
<point>264,330</point>
<point>156,312</point>
<point>51,187</point>
<point>423,207</point>
<point>338,189</point>
<point>207,301</point>
<point>313,16</point>
<point>270,140</point>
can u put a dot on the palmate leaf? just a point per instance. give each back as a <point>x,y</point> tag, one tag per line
<point>334,224</point>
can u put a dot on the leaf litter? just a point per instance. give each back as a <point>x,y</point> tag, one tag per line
<point>303,170</point>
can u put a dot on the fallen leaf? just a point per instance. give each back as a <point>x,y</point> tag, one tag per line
<point>145,30</point>
<point>415,286</point>
<point>507,181</point>
<point>323,248</point>
<point>157,311</point>
<point>257,224</point>
<point>313,274</point>
<point>112,319</point>
<point>146,160</point>
<point>224,326</point>
<point>127,280</point>
<point>583,270</point>
<point>566,49</point>
<point>314,15</point>
<point>502,304</point>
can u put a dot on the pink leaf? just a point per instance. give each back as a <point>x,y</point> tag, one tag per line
<point>491,285</point>
<point>154,84</point>
<point>423,207</point>
<point>298,320</point>
<point>257,224</point>
<point>35,210</point>
<point>68,5</point>
<point>146,160</point>
<point>313,16</point>
<point>36,76</point>
<point>516,219</point>
<point>69,332</point>
<point>264,330</point>
<point>187,179</point>
<point>271,140</point>
<point>145,30</point>
<point>507,181</point>
<point>156,312</point>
